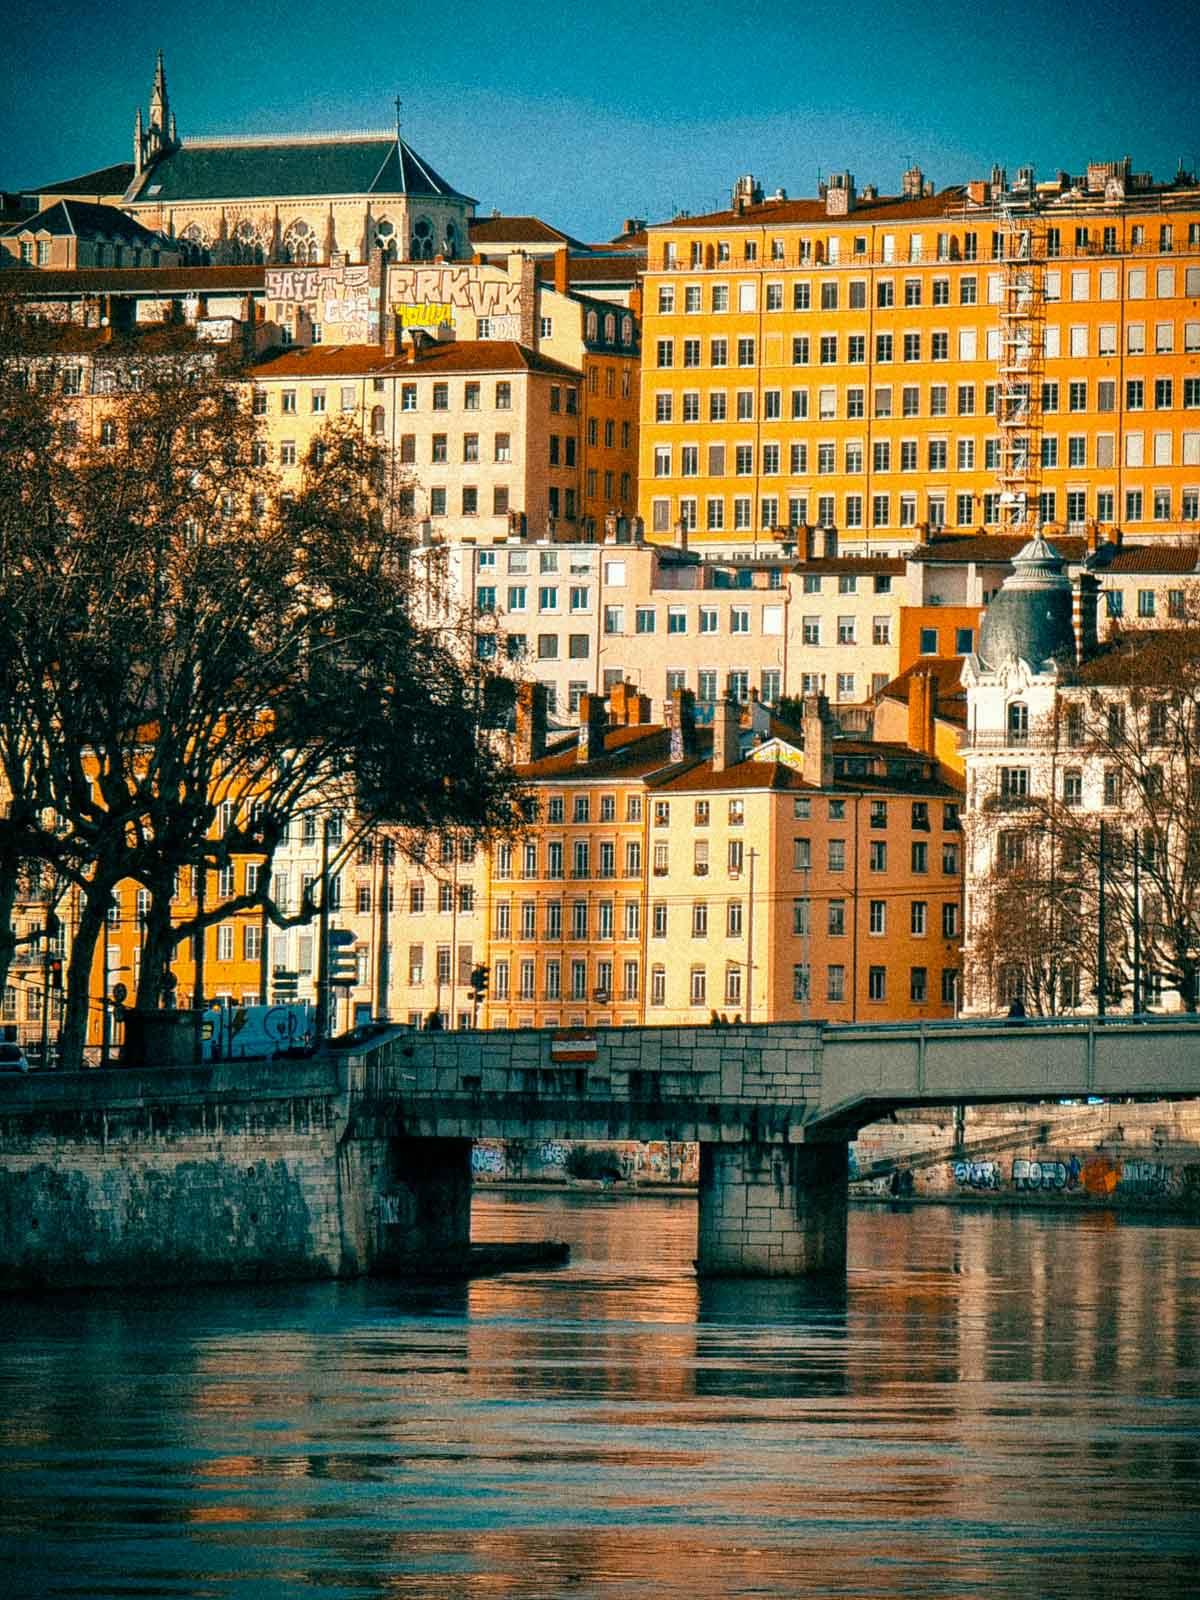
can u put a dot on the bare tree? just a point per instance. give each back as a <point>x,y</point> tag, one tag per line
<point>1100,873</point>
<point>198,657</point>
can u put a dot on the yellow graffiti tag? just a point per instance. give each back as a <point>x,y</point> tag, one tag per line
<point>427,316</point>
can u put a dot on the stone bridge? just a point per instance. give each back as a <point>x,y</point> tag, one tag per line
<point>360,1161</point>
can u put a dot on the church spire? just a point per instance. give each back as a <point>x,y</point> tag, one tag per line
<point>160,133</point>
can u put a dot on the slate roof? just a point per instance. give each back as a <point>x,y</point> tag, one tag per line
<point>105,180</point>
<point>86,220</point>
<point>301,167</point>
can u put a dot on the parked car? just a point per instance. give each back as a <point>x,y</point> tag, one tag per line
<point>13,1058</point>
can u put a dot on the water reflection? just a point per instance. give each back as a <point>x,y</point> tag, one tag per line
<point>992,1403</point>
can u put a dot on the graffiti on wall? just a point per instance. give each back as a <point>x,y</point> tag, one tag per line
<point>424,297</point>
<point>489,1159</point>
<point>977,1174</point>
<point>337,297</point>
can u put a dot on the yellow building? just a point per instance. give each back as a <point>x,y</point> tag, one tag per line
<point>838,361</point>
<point>677,871</point>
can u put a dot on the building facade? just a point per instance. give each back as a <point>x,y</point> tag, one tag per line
<point>838,361</point>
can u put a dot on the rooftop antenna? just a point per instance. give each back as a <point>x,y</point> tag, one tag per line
<point>397,117</point>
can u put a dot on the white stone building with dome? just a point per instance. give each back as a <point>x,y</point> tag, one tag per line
<point>1065,734</point>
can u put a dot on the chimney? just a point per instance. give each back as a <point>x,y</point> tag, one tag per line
<point>840,195</point>
<point>979,192</point>
<point>681,535</point>
<point>727,724</point>
<point>1085,607</point>
<point>529,297</point>
<point>1094,537</point>
<point>562,278</point>
<point>912,184</point>
<point>630,708</point>
<point>593,719</point>
<point>681,723</point>
<point>529,743</point>
<point>922,712</point>
<point>633,225</point>
<point>818,742</point>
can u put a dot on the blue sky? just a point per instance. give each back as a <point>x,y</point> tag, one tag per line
<point>586,114</point>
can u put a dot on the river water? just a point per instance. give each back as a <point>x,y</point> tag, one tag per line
<point>995,1403</point>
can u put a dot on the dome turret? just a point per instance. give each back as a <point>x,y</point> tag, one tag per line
<point>1030,619</point>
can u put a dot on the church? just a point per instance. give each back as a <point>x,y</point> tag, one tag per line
<point>278,199</point>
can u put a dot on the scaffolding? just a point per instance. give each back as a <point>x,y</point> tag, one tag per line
<point>1022,355</point>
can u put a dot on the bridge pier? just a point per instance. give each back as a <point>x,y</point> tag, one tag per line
<point>423,1204</point>
<point>772,1210</point>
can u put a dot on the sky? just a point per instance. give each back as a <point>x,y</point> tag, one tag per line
<point>585,114</point>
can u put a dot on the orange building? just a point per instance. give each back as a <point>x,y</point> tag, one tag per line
<point>843,361</point>
<point>678,871</point>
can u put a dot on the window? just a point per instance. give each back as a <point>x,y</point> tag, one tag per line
<point>835,983</point>
<point>918,983</point>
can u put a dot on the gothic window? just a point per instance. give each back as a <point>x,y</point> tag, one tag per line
<point>422,240</point>
<point>300,244</point>
<point>245,245</point>
<point>385,238</point>
<point>450,248</point>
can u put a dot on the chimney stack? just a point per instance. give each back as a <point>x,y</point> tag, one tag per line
<point>818,742</point>
<point>681,723</point>
<point>630,708</point>
<point>727,724</point>
<point>593,720</point>
<point>562,276</point>
<point>1085,607</point>
<point>922,712</point>
<point>530,739</point>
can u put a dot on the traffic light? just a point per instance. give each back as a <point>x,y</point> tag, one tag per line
<point>342,961</point>
<point>56,973</point>
<point>285,985</point>
<point>479,983</point>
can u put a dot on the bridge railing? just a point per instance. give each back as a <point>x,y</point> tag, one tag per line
<point>742,1065</point>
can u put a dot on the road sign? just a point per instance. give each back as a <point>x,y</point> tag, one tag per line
<point>573,1044</point>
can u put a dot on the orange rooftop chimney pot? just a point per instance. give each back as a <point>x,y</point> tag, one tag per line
<point>562,274</point>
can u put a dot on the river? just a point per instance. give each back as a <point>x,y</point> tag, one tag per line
<point>995,1403</point>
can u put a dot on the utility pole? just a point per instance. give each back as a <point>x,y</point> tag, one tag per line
<point>1137,927</point>
<point>199,876</point>
<point>49,928</point>
<point>1102,938</point>
<point>750,938</point>
<point>323,940</point>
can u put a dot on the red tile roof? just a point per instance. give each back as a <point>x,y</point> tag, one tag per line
<point>617,269</point>
<point>42,282</point>
<point>518,230</point>
<point>1142,657</point>
<point>628,753</point>
<point>887,208</point>
<point>1158,557</point>
<point>947,671</point>
<point>460,355</point>
<point>847,566</point>
<point>994,547</point>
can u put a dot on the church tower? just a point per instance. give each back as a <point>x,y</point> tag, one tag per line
<point>153,141</point>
